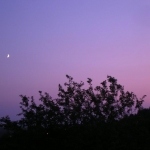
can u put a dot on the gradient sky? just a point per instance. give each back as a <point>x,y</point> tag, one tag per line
<point>47,39</point>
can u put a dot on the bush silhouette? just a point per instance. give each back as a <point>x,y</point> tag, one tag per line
<point>75,109</point>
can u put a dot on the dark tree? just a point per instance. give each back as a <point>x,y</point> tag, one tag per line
<point>102,103</point>
<point>75,105</point>
<point>77,112</point>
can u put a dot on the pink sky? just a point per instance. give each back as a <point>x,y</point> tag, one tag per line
<point>47,39</point>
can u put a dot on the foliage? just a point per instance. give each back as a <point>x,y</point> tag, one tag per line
<point>83,112</point>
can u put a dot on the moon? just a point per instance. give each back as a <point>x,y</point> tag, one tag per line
<point>8,56</point>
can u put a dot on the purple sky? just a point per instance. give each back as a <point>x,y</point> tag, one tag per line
<point>47,39</point>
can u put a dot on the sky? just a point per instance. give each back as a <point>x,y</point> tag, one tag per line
<point>47,39</point>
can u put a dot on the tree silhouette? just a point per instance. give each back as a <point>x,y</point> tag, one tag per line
<point>75,105</point>
<point>77,112</point>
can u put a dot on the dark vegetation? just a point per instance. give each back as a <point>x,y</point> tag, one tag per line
<point>105,117</point>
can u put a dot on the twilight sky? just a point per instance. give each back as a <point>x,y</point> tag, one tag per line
<point>47,39</point>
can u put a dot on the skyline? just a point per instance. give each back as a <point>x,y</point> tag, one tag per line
<point>85,39</point>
